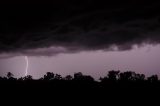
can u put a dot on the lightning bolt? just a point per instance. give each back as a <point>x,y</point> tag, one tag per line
<point>26,69</point>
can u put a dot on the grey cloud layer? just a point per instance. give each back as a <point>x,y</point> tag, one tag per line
<point>77,26</point>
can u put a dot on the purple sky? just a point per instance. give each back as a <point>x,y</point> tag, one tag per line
<point>96,63</point>
<point>86,36</point>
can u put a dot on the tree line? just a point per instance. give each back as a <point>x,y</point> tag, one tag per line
<point>111,77</point>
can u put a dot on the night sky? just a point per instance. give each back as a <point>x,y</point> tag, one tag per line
<point>89,36</point>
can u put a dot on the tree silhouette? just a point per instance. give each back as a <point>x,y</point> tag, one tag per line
<point>127,76</point>
<point>88,78</point>
<point>28,78</point>
<point>1,78</point>
<point>20,79</point>
<point>9,75</point>
<point>68,78</point>
<point>139,77</point>
<point>153,78</point>
<point>113,75</point>
<point>57,77</point>
<point>80,77</point>
<point>49,76</point>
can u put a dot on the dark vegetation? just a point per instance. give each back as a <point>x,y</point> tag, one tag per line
<point>114,86</point>
<point>111,80</point>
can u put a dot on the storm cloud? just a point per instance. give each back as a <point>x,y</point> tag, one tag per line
<point>68,26</point>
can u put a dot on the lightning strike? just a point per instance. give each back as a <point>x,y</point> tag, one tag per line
<point>26,69</point>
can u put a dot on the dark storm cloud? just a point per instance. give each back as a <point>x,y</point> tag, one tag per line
<point>72,26</point>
